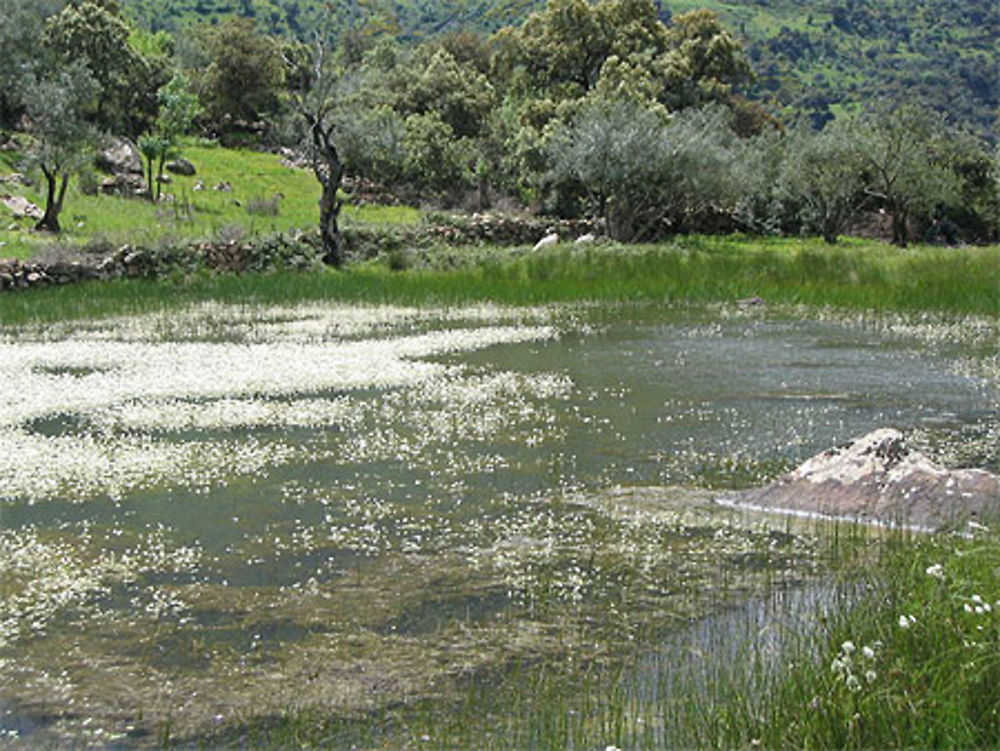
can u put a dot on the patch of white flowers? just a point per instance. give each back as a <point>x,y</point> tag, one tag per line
<point>107,392</point>
<point>856,668</point>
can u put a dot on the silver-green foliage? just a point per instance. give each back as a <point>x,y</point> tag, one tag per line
<point>823,175</point>
<point>642,170</point>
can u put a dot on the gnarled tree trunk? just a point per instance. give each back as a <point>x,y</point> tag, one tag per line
<point>329,171</point>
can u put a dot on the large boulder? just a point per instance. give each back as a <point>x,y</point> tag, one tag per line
<point>879,479</point>
<point>119,157</point>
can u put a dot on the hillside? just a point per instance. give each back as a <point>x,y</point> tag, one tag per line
<point>810,58</point>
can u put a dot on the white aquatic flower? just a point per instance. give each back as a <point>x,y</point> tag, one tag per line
<point>937,571</point>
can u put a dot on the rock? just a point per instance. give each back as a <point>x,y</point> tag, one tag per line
<point>15,178</point>
<point>21,207</point>
<point>128,185</point>
<point>121,157</point>
<point>750,302</point>
<point>879,479</point>
<point>586,239</point>
<point>550,239</point>
<point>181,167</point>
<point>224,187</point>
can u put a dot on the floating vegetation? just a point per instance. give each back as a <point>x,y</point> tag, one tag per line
<point>225,514</point>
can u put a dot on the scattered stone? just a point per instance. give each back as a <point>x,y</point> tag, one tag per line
<point>293,159</point>
<point>224,187</point>
<point>15,178</point>
<point>879,479</point>
<point>181,167</point>
<point>750,302</point>
<point>199,185</point>
<point>550,239</point>
<point>586,239</point>
<point>21,207</point>
<point>126,185</point>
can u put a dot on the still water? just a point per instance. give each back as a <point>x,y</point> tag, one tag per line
<point>225,513</point>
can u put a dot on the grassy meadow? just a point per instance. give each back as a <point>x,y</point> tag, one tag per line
<point>266,196</point>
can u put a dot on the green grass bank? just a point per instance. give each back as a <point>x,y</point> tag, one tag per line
<point>857,275</point>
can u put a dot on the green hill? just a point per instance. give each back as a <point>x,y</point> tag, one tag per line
<point>812,58</point>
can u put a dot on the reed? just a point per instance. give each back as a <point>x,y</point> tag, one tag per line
<point>861,276</point>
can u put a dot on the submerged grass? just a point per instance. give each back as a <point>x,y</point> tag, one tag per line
<point>905,655</point>
<point>860,275</point>
<point>915,664</point>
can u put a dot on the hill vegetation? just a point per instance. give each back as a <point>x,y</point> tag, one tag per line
<point>621,112</point>
<point>814,58</point>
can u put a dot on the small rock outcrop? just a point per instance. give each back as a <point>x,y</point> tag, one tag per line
<point>20,207</point>
<point>879,479</point>
<point>181,166</point>
<point>120,157</point>
<point>122,161</point>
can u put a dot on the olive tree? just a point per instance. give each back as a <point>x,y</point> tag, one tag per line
<point>56,103</point>
<point>904,151</point>
<point>823,174</point>
<point>643,171</point>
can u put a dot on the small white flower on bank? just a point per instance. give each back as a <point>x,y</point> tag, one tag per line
<point>868,652</point>
<point>937,571</point>
<point>852,683</point>
<point>870,676</point>
<point>905,621</point>
<point>847,647</point>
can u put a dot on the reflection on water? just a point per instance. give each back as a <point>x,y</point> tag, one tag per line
<point>236,511</point>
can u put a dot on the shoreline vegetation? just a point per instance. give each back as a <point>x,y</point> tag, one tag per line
<point>855,275</point>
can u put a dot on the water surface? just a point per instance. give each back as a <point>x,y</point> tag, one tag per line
<point>225,513</point>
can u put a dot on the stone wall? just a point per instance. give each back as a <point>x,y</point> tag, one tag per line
<point>294,250</point>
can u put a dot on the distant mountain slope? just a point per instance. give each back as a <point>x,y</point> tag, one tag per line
<point>809,57</point>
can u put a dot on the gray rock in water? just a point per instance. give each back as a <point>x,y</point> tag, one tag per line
<point>879,479</point>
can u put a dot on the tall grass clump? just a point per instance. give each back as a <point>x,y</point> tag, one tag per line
<point>913,664</point>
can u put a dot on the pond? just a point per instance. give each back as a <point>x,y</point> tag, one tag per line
<point>229,514</point>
